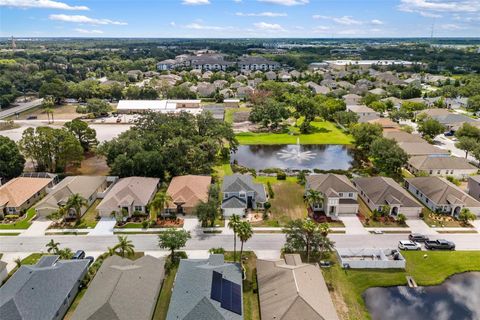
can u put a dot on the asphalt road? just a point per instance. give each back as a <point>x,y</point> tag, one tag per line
<point>20,108</point>
<point>205,242</point>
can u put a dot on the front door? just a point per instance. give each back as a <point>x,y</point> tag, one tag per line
<point>249,202</point>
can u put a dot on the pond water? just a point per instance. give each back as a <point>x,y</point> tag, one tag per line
<point>324,157</point>
<point>458,298</point>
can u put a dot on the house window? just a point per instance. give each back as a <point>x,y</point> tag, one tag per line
<point>350,195</point>
<point>138,208</point>
<point>431,171</point>
<point>439,171</point>
<point>340,194</point>
<point>242,194</point>
<point>225,195</point>
<point>426,200</point>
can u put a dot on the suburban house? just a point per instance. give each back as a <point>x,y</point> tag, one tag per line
<point>210,62</point>
<point>231,103</point>
<point>129,195</point>
<point>385,123</point>
<point>42,291</point>
<point>474,187</point>
<point>90,188</point>
<point>290,289</point>
<point>187,192</point>
<point>453,121</point>
<point>363,112</point>
<point>441,166</point>
<point>352,99</point>
<point>19,194</point>
<point>338,193</point>
<point>422,149</point>
<point>123,289</point>
<point>440,195</point>
<point>207,289</point>
<point>241,193</point>
<point>3,271</point>
<point>257,63</point>
<point>378,192</point>
<point>402,136</point>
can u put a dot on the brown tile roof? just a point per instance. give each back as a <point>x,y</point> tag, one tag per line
<point>402,136</point>
<point>189,190</point>
<point>385,123</point>
<point>17,191</point>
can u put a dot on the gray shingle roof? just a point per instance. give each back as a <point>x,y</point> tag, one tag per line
<point>333,182</point>
<point>233,203</point>
<point>242,182</point>
<point>38,292</point>
<point>123,289</point>
<point>191,293</point>
<point>427,163</point>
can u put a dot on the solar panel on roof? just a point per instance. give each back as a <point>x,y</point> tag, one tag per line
<point>236,299</point>
<point>226,302</point>
<point>216,291</point>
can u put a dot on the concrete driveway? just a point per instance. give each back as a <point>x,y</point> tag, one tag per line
<point>37,228</point>
<point>104,227</point>
<point>352,225</point>
<point>419,226</point>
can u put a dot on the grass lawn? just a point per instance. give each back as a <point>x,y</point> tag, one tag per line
<point>230,111</point>
<point>22,224</point>
<point>366,212</point>
<point>440,221</point>
<point>9,234</point>
<point>89,219</point>
<point>348,285</point>
<point>325,132</point>
<point>163,301</point>
<point>251,306</point>
<point>223,170</point>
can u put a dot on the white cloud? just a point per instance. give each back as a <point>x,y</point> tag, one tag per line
<point>49,4</point>
<point>439,5</point>
<point>429,14</point>
<point>376,22</point>
<point>261,14</point>
<point>83,19</point>
<point>286,2</point>
<point>195,2</point>
<point>268,26</point>
<point>345,20</point>
<point>198,26</point>
<point>237,1</point>
<point>85,31</point>
<point>451,26</point>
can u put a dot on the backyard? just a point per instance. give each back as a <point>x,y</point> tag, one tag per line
<point>347,286</point>
<point>22,223</point>
<point>325,132</point>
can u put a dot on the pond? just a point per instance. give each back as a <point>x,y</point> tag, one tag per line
<point>301,157</point>
<point>458,298</point>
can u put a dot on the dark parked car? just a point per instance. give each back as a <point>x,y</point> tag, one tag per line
<point>92,259</point>
<point>32,118</point>
<point>417,237</point>
<point>440,244</point>
<point>80,254</point>
<point>448,134</point>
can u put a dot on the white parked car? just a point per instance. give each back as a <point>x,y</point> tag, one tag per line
<point>409,245</point>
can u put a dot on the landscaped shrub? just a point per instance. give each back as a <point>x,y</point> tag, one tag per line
<point>271,194</point>
<point>217,251</point>
<point>281,176</point>
<point>401,218</point>
<point>145,224</point>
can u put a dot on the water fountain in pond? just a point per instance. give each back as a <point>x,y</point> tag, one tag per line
<point>295,153</point>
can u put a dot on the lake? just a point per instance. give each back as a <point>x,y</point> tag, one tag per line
<point>301,157</point>
<point>458,298</point>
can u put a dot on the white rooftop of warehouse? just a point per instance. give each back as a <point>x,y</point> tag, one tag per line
<point>368,62</point>
<point>157,105</point>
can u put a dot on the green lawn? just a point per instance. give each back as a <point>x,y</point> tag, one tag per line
<point>163,301</point>
<point>22,224</point>
<point>442,221</point>
<point>89,219</point>
<point>348,285</point>
<point>325,132</point>
<point>223,170</point>
<point>366,212</point>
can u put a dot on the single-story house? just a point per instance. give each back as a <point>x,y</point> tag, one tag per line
<point>42,291</point>
<point>187,192</point>
<point>352,99</point>
<point>386,123</point>
<point>378,192</point>
<point>90,188</point>
<point>422,149</point>
<point>474,187</point>
<point>453,121</point>
<point>241,193</point>
<point>338,193</point>
<point>289,289</point>
<point>21,193</point>
<point>441,166</point>
<point>363,112</point>
<point>402,136</point>
<point>231,103</point>
<point>207,289</point>
<point>129,195</point>
<point>123,289</point>
<point>440,195</point>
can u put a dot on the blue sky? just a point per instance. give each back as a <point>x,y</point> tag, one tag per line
<point>240,18</point>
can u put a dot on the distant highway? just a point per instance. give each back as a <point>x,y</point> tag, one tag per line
<point>20,108</point>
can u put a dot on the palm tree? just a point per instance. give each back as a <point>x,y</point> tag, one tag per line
<point>245,232</point>
<point>76,202</point>
<point>313,197</point>
<point>309,227</point>
<point>47,106</point>
<point>52,246</point>
<point>18,262</point>
<point>159,202</point>
<point>125,246</point>
<point>65,253</point>
<point>48,111</point>
<point>233,223</point>
<point>111,251</point>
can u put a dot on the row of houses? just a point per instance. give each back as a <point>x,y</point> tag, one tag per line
<point>203,289</point>
<point>340,195</point>
<point>217,61</point>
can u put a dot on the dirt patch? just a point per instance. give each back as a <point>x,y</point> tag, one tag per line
<point>92,165</point>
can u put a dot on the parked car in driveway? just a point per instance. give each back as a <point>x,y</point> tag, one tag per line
<point>440,244</point>
<point>80,254</point>
<point>417,237</point>
<point>409,245</point>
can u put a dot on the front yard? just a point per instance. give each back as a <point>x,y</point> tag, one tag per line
<point>347,286</point>
<point>325,132</point>
<point>366,218</point>
<point>88,220</point>
<point>441,220</point>
<point>22,222</point>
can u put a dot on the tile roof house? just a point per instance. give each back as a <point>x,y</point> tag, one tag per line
<point>422,149</point>
<point>386,123</point>
<point>289,290</point>
<point>241,193</point>
<point>441,166</point>
<point>339,194</point>
<point>42,291</point>
<point>188,191</point>
<point>364,113</point>
<point>453,121</point>
<point>352,99</point>
<point>123,289</point>
<point>89,187</point>
<point>131,194</point>
<point>20,193</point>
<point>440,195</point>
<point>402,136</point>
<point>377,192</point>
<point>207,289</point>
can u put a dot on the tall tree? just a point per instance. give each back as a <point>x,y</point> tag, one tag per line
<point>233,224</point>
<point>52,246</point>
<point>98,107</point>
<point>430,128</point>
<point>387,156</point>
<point>364,135</point>
<point>173,239</point>
<point>467,144</point>
<point>270,114</point>
<point>11,160</point>
<point>244,232</point>
<point>125,246</point>
<point>207,212</point>
<point>313,197</point>
<point>160,202</point>
<point>85,135</point>
<point>76,202</point>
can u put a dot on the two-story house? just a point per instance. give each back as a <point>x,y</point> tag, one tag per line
<point>338,194</point>
<point>474,187</point>
<point>241,193</point>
